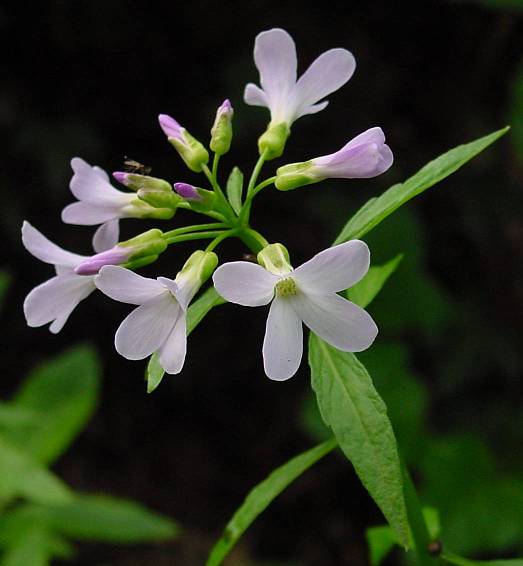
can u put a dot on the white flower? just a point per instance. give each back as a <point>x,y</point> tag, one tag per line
<point>159,322</point>
<point>98,200</point>
<point>54,300</point>
<point>306,294</point>
<point>287,98</point>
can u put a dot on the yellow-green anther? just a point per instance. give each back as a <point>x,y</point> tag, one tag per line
<point>286,287</point>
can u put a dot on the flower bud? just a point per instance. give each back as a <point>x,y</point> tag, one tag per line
<point>275,258</point>
<point>273,140</point>
<point>136,182</point>
<point>190,149</point>
<point>200,200</point>
<point>149,245</point>
<point>221,132</point>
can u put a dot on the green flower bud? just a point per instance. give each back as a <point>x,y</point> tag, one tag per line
<point>190,149</point>
<point>221,132</point>
<point>273,140</point>
<point>275,258</point>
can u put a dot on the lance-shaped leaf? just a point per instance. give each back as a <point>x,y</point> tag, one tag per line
<point>352,408</point>
<point>377,209</point>
<point>234,189</point>
<point>262,495</point>
<point>367,288</point>
<point>22,476</point>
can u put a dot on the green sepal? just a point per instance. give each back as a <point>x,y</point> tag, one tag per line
<point>163,202</point>
<point>191,151</point>
<point>146,245</point>
<point>275,258</point>
<point>272,141</point>
<point>293,176</point>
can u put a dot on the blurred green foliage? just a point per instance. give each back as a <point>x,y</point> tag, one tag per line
<point>39,512</point>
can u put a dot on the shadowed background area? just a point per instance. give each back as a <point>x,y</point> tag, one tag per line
<point>89,79</point>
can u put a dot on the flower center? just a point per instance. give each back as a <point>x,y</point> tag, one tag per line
<point>286,287</point>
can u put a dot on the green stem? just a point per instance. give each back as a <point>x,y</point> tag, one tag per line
<point>195,227</point>
<point>262,185</point>
<point>220,239</point>
<point>418,526</point>
<point>246,209</point>
<point>194,236</point>
<point>253,240</point>
<point>227,210</point>
<point>215,166</point>
<point>210,213</point>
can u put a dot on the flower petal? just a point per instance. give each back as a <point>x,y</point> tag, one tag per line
<point>56,299</point>
<point>313,109</point>
<point>106,236</point>
<point>87,214</point>
<point>275,58</point>
<point>255,96</point>
<point>326,74</point>
<point>147,328</point>
<point>244,283</point>
<point>334,269</point>
<point>91,184</point>
<point>283,342</point>
<point>126,286</point>
<point>174,349</point>
<point>339,322</point>
<point>43,249</point>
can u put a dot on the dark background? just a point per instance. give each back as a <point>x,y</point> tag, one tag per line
<point>89,79</point>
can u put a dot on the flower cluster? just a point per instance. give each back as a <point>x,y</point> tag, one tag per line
<point>306,295</point>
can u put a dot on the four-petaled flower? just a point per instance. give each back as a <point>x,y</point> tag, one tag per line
<point>159,322</point>
<point>287,98</point>
<point>98,201</point>
<point>54,300</point>
<point>306,294</point>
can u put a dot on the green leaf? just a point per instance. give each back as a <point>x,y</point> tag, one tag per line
<point>357,415</point>
<point>154,373</point>
<point>195,314</point>
<point>367,288</point>
<point>104,518</point>
<point>12,416</point>
<point>262,495</point>
<point>64,392</point>
<point>377,209</point>
<point>234,189</point>
<point>381,541</point>
<point>22,476</point>
<point>197,311</point>
<point>33,549</point>
<point>460,561</point>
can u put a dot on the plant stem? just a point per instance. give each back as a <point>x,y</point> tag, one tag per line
<point>215,166</point>
<point>193,228</point>
<point>220,238</point>
<point>193,236</point>
<point>418,526</point>
<point>227,210</point>
<point>252,239</point>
